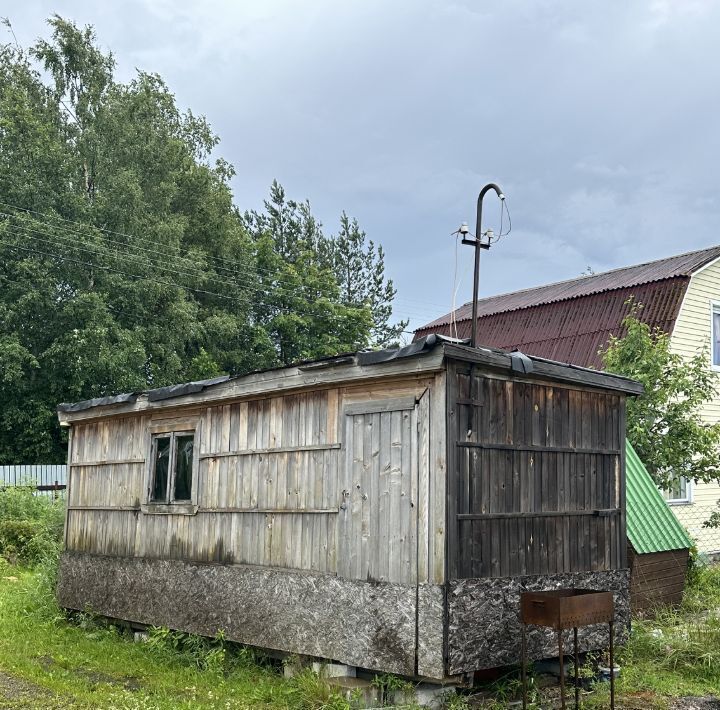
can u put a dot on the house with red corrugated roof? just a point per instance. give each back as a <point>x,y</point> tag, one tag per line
<point>571,321</point>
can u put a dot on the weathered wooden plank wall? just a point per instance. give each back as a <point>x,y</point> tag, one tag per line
<point>382,499</point>
<point>537,477</point>
<point>272,482</point>
<point>657,579</point>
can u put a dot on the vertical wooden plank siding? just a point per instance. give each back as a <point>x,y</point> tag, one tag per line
<point>537,477</point>
<point>379,522</point>
<point>423,490</point>
<point>437,522</point>
<point>273,476</point>
<point>455,433</point>
<point>621,488</point>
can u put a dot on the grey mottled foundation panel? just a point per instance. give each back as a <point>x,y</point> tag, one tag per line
<point>431,604</point>
<point>366,624</point>
<point>484,629</point>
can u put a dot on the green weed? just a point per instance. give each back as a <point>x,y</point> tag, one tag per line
<point>308,691</point>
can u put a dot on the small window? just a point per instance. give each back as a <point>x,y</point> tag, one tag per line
<point>716,335</point>
<point>679,491</point>
<point>172,467</point>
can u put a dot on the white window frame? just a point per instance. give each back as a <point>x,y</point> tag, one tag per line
<point>687,500</point>
<point>177,427</point>
<point>714,308</point>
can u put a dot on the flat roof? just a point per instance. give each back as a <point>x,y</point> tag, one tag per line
<point>423,355</point>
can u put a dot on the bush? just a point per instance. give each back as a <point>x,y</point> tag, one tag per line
<point>15,535</point>
<point>31,526</point>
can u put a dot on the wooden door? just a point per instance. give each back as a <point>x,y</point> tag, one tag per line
<point>378,526</point>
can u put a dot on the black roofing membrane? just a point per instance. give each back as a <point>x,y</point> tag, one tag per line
<point>426,344</point>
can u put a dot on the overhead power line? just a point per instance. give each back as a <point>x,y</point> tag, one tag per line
<point>152,262</point>
<point>237,267</point>
<point>156,262</point>
<point>133,275</point>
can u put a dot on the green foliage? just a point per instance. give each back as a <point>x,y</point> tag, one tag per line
<point>31,526</point>
<point>359,267</point>
<point>389,681</point>
<point>206,654</point>
<point>324,294</point>
<point>124,263</point>
<point>390,684</point>
<point>86,662</point>
<point>455,701</point>
<point>308,691</point>
<point>677,652</point>
<point>664,423</point>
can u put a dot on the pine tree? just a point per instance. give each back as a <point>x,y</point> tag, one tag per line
<point>359,268</point>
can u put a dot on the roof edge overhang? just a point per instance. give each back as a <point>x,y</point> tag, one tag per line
<point>546,369</point>
<point>421,356</point>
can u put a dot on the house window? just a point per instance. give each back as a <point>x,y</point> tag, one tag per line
<point>172,467</point>
<point>716,335</point>
<point>679,491</point>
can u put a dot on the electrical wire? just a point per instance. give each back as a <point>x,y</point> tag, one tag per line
<point>134,275</point>
<point>453,321</point>
<point>152,262</point>
<point>101,249</point>
<point>244,271</point>
<point>7,279</point>
<point>503,209</point>
<point>117,271</point>
<point>218,259</point>
<point>155,280</point>
<point>240,268</point>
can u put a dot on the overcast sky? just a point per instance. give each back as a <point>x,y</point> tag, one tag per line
<point>599,120</point>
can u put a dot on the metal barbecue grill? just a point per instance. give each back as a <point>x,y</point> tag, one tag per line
<point>562,609</point>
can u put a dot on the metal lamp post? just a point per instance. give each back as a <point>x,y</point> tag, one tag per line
<point>479,244</point>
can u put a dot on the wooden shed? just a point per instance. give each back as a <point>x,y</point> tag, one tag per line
<point>381,509</point>
<point>658,545</point>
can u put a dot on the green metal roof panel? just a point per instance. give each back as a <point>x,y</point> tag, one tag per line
<point>651,523</point>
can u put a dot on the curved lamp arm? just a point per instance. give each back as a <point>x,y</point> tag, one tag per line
<point>478,245</point>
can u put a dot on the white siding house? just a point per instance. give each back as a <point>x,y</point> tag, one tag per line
<point>571,321</point>
<point>697,328</point>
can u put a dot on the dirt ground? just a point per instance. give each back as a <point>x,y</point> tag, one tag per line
<point>696,704</point>
<point>16,693</point>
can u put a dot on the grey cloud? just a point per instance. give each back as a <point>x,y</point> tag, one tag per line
<point>598,119</point>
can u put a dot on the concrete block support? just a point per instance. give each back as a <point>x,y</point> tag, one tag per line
<point>425,695</point>
<point>334,670</point>
<point>358,692</point>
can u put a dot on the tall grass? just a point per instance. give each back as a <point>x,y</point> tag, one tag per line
<point>678,651</point>
<point>89,660</point>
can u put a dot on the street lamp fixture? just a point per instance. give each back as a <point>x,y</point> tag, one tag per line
<point>479,241</point>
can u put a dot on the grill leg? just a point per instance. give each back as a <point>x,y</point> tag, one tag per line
<point>577,673</point>
<point>612,667</point>
<point>562,669</point>
<point>523,661</point>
